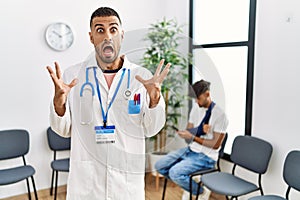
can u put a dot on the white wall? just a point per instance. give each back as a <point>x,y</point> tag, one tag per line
<point>276,96</point>
<point>276,85</point>
<point>25,86</point>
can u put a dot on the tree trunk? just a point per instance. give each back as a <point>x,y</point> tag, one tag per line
<point>162,140</point>
<point>155,149</point>
<point>163,133</point>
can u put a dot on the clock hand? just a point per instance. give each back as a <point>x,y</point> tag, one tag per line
<point>59,35</point>
<point>66,33</point>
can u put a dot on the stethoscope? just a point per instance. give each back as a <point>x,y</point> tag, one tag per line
<point>88,84</point>
<point>127,92</point>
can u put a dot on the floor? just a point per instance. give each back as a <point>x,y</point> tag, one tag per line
<point>173,192</point>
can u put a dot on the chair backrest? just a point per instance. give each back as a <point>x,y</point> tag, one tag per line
<point>57,142</point>
<point>251,153</point>
<point>13,143</point>
<point>291,169</point>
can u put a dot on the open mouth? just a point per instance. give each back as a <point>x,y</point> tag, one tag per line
<point>108,51</point>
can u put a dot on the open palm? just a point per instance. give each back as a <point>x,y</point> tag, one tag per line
<point>61,89</point>
<point>153,85</point>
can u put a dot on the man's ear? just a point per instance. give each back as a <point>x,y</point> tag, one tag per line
<point>207,93</point>
<point>122,35</point>
<point>91,37</point>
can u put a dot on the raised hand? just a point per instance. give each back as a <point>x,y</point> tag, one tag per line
<point>153,85</point>
<point>61,89</point>
<point>206,128</point>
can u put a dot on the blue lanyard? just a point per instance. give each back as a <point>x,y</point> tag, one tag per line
<point>104,115</point>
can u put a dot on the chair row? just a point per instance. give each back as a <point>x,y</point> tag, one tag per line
<point>252,154</point>
<point>15,144</point>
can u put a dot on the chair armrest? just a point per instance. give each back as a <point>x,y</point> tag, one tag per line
<point>203,171</point>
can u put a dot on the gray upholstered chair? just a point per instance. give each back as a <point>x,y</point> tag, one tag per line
<point>15,144</point>
<point>291,175</point>
<point>58,143</point>
<point>250,153</point>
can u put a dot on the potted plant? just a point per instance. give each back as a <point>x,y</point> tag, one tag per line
<point>165,37</point>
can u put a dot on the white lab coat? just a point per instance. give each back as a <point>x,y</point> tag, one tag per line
<point>112,171</point>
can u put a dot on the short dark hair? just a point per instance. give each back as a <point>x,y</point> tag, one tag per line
<point>104,12</point>
<point>199,88</point>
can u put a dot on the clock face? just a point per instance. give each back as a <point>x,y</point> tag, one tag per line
<point>59,36</point>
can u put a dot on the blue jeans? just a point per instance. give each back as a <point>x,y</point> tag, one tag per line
<point>179,164</point>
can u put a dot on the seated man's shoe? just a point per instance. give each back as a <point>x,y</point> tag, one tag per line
<point>185,195</point>
<point>205,194</point>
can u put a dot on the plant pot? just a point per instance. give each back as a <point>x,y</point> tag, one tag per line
<point>153,158</point>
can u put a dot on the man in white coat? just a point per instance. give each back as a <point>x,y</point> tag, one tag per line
<point>108,105</point>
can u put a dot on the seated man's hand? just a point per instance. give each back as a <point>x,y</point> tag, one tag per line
<point>185,134</point>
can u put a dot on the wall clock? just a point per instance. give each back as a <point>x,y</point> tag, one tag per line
<point>59,36</point>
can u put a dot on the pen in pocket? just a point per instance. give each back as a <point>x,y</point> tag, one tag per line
<point>137,99</point>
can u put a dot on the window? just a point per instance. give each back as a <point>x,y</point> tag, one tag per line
<point>222,45</point>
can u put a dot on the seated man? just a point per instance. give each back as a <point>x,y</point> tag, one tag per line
<point>202,151</point>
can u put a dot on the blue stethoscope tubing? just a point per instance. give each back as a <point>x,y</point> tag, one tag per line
<point>87,83</point>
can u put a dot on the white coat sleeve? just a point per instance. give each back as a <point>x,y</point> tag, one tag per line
<point>60,124</point>
<point>154,118</point>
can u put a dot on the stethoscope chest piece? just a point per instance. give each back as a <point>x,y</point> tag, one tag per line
<point>127,94</point>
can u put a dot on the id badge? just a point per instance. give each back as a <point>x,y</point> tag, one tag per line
<point>105,134</point>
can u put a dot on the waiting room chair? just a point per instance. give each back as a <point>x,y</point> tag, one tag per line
<point>250,153</point>
<point>15,144</point>
<point>202,171</point>
<point>291,175</point>
<point>58,143</point>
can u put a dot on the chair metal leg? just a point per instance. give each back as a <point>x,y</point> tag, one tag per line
<point>165,187</point>
<point>191,189</point>
<point>28,189</point>
<point>288,192</point>
<point>34,188</point>
<point>56,180</point>
<point>52,180</point>
<point>198,188</point>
